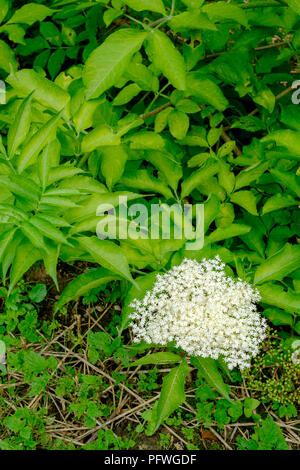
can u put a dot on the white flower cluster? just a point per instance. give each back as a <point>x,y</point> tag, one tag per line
<point>205,312</point>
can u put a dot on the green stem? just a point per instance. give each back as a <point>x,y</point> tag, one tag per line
<point>83,160</point>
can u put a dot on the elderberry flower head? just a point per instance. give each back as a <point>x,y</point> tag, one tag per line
<point>203,311</point>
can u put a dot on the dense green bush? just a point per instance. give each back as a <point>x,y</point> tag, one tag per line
<point>161,101</point>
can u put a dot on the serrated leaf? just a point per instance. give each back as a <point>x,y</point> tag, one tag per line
<point>141,179</point>
<point>33,234</point>
<point>166,163</point>
<point>25,256</point>
<point>83,284</point>
<point>195,179</point>
<point>5,239</point>
<point>7,58</point>
<point>147,140</point>
<point>126,94</point>
<point>223,233</point>
<point>171,396</point>
<point>4,7</point>
<point>20,126</point>
<point>248,176</point>
<point>221,10</point>
<point>178,124</point>
<point>205,91</point>
<point>157,358</point>
<point>113,164</point>
<point>167,58</point>
<point>101,136</point>
<point>32,148</point>
<point>46,92</point>
<point>208,368</point>
<point>151,5</point>
<point>278,317</point>
<point>279,265</point>
<point>275,295</point>
<point>245,199</point>
<point>30,13</point>
<point>108,62</point>
<point>108,254</point>
<point>47,229</point>
<point>277,202</point>
<point>192,19</point>
<point>294,5</point>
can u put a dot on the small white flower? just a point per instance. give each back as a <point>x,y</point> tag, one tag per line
<point>203,311</point>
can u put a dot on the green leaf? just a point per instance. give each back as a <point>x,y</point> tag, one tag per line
<point>55,62</point>
<point>99,137</point>
<point>47,229</point>
<point>147,140</point>
<point>46,92</point>
<point>37,293</point>
<point>141,179</point>
<point>245,199</point>
<point>278,317</point>
<point>208,368</point>
<point>275,295</point>
<point>30,13</point>
<point>250,404</point>
<point>32,148</point>
<point>90,205</point>
<point>171,396</point>
<point>279,265</point>
<point>178,124</point>
<point>214,135</point>
<point>21,186</point>
<point>288,180</point>
<point>25,256</point>
<point>126,94</point>
<point>219,11</point>
<point>151,5</point>
<point>113,164</point>
<point>251,174</point>
<point>190,20</point>
<point>44,164</point>
<point>20,126</point>
<point>5,239</point>
<point>7,58</point>
<point>167,164</point>
<point>205,91</point>
<point>266,99</point>
<point>161,120</point>
<point>108,254</point>
<point>165,357</point>
<point>195,179</point>
<point>294,5</point>
<point>83,284</point>
<point>108,62</point>
<point>167,58</point>
<point>50,258</point>
<point>33,235</point>
<point>211,210</point>
<point>223,233</point>
<point>4,7</point>
<point>290,115</point>
<point>278,201</point>
<point>284,138</point>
